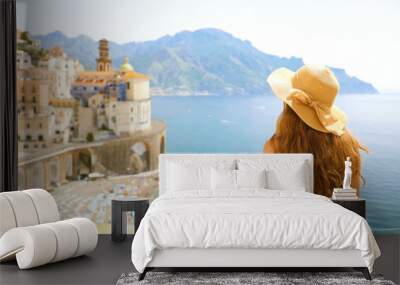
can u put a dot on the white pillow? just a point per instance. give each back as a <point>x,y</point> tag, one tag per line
<point>223,179</point>
<point>282,174</point>
<point>251,178</point>
<point>188,177</point>
<point>291,179</point>
<point>179,172</point>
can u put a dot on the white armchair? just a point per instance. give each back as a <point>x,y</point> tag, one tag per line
<point>31,230</point>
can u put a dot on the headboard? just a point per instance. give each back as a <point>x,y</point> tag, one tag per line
<point>165,158</point>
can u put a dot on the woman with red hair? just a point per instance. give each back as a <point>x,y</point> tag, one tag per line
<point>311,123</point>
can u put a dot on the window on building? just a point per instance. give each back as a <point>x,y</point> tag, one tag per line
<point>54,121</point>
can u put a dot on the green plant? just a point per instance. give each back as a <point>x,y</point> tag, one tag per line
<point>26,37</point>
<point>90,137</point>
<point>104,127</point>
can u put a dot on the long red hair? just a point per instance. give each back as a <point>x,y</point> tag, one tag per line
<point>292,135</point>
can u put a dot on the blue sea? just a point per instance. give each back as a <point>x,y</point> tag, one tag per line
<point>233,124</point>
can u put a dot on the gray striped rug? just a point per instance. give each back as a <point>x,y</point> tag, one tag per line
<point>233,278</point>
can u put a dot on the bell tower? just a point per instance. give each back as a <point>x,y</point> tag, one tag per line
<point>103,63</point>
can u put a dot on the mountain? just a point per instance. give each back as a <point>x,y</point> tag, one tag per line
<point>206,61</point>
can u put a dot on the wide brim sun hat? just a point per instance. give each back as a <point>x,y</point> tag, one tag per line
<point>311,93</point>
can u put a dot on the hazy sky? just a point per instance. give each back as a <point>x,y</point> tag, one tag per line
<point>362,36</point>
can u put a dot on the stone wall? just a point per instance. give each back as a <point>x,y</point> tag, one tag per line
<point>112,157</point>
<point>118,157</point>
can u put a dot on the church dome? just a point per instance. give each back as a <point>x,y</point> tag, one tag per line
<point>126,66</point>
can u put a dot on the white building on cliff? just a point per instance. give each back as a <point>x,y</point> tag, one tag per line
<point>118,100</point>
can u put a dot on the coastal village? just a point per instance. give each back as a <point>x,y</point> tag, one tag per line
<point>85,135</point>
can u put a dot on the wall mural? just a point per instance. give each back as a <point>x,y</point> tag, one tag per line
<point>97,104</point>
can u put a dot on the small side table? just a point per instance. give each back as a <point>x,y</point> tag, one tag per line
<point>357,206</point>
<point>119,207</point>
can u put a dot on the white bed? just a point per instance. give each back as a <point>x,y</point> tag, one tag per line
<point>210,226</point>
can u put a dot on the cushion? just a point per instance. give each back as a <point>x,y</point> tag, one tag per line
<point>67,239</point>
<point>281,174</point>
<point>87,233</point>
<point>7,220</point>
<point>32,246</point>
<point>223,179</point>
<point>45,205</point>
<point>23,208</point>
<point>189,174</point>
<point>291,178</point>
<point>188,177</point>
<point>251,178</point>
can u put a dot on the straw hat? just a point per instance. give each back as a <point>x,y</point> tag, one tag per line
<point>310,92</point>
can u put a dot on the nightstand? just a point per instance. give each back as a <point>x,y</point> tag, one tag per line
<point>357,206</point>
<point>119,207</point>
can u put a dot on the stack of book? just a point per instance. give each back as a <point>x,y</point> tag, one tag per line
<point>344,194</point>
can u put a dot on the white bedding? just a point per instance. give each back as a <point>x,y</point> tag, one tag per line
<point>250,219</point>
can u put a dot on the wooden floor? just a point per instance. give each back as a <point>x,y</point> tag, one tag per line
<point>111,259</point>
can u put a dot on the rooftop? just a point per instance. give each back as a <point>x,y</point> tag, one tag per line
<point>126,66</point>
<point>135,75</point>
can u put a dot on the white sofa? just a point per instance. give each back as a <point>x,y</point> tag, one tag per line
<point>31,230</point>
